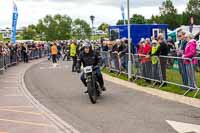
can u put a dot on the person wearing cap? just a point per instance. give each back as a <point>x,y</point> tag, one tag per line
<point>88,57</point>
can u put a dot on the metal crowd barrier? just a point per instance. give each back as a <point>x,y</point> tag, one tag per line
<point>114,62</point>
<point>182,72</point>
<point>34,54</point>
<point>105,59</point>
<point>197,74</point>
<point>147,68</point>
<point>1,63</point>
<point>9,60</point>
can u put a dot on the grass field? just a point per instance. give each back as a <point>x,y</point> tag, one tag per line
<point>173,76</point>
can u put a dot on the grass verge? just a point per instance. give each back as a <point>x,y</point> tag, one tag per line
<point>168,88</point>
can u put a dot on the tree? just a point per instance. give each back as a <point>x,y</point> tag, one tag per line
<point>81,29</point>
<point>104,27</point>
<point>137,19</point>
<point>55,27</point>
<point>121,22</point>
<point>169,14</point>
<point>193,10</point>
<point>29,32</point>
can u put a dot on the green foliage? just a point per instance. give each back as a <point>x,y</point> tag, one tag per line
<point>104,27</point>
<point>81,29</point>
<point>137,19</point>
<point>1,37</point>
<point>141,82</point>
<point>121,22</point>
<point>58,27</point>
<point>193,9</point>
<point>169,15</point>
<point>28,32</point>
<point>55,27</point>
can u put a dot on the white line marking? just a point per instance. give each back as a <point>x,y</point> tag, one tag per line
<point>4,81</point>
<point>181,127</point>
<point>7,107</point>
<point>27,123</point>
<point>13,95</point>
<point>6,87</point>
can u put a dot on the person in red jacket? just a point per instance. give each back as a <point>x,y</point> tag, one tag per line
<point>145,61</point>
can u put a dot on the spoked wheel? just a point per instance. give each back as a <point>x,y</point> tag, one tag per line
<point>92,92</point>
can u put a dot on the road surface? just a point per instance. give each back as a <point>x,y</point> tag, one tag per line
<point>119,110</point>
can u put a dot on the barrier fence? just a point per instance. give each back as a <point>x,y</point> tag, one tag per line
<point>197,74</point>
<point>182,72</point>
<point>14,58</point>
<point>147,68</point>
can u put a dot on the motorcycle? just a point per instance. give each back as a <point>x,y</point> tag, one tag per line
<point>94,90</point>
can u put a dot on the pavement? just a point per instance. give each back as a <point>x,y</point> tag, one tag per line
<point>119,110</point>
<point>17,114</point>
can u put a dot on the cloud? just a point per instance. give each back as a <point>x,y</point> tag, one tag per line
<point>114,3</point>
<point>104,10</point>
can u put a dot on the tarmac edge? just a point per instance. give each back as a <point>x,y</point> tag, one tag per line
<point>61,125</point>
<point>159,93</point>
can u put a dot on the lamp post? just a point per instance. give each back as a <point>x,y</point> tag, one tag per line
<point>129,43</point>
<point>92,20</point>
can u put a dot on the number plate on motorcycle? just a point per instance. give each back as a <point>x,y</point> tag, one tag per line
<point>87,69</point>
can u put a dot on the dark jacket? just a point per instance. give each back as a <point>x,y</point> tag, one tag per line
<point>182,45</point>
<point>163,50</point>
<point>90,59</point>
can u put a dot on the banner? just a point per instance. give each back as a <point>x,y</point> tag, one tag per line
<point>14,23</point>
<point>122,10</point>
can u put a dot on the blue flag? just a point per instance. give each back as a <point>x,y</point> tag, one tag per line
<point>14,23</point>
<point>122,10</point>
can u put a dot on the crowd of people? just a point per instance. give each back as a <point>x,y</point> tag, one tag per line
<point>153,56</point>
<point>12,54</point>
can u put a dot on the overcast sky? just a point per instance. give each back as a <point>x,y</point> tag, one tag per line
<point>30,11</point>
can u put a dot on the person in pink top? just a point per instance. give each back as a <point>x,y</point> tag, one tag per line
<point>190,52</point>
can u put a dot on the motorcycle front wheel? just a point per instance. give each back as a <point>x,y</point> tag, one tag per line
<point>92,92</point>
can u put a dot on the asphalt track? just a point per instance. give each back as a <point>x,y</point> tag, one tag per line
<point>119,110</point>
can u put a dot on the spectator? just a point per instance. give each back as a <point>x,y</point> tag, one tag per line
<point>154,60</point>
<point>59,48</point>
<point>171,44</point>
<point>181,48</point>
<point>1,48</point>
<point>24,53</point>
<point>104,53</point>
<point>114,55</point>
<point>172,52</point>
<point>163,50</point>
<point>145,61</point>
<point>54,52</point>
<point>73,54</point>
<point>66,50</point>
<point>123,55</point>
<point>104,46</point>
<point>49,50</point>
<point>190,52</point>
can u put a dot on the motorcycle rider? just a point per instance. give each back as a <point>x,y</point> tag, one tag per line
<point>88,57</point>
